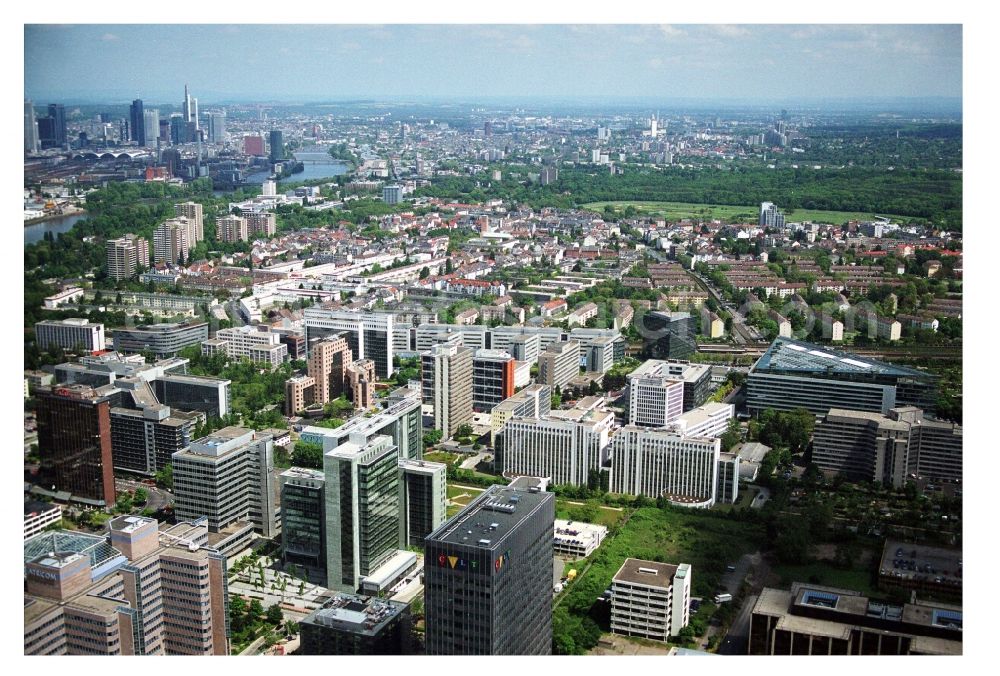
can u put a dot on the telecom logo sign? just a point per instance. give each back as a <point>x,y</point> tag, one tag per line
<point>461,563</point>
<point>456,563</point>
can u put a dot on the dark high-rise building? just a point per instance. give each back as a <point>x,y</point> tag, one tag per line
<point>303,526</point>
<point>178,129</point>
<point>137,123</point>
<point>74,442</point>
<point>668,335</point>
<point>277,146</point>
<point>488,576</point>
<point>57,113</point>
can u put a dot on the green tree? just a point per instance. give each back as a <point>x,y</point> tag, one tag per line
<point>307,454</point>
<point>274,615</point>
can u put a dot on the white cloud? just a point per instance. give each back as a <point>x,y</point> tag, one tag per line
<point>670,31</point>
<point>109,37</point>
<point>730,30</point>
<point>655,62</point>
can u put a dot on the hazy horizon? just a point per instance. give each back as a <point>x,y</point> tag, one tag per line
<point>420,63</point>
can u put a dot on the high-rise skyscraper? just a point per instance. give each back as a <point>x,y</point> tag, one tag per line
<point>137,122</point>
<point>488,576</point>
<point>194,213</point>
<point>126,256</point>
<point>446,381</point>
<point>30,128</point>
<point>151,127</point>
<point>74,442</point>
<point>362,509</point>
<point>170,241</point>
<point>217,127</point>
<point>52,129</point>
<point>770,216</point>
<point>277,146</point>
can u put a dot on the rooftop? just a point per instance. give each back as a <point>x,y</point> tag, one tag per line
<point>787,354</point>
<point>651,573</point>
<point>490,518</point>
<point>355,614</point>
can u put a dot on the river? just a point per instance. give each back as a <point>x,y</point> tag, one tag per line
<point>35,233</point>
<point>317,164</point>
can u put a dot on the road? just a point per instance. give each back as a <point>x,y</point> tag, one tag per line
<point>736,641</point>
<point>158,497</point>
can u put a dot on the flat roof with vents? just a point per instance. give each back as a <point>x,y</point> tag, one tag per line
<point>650,573</point>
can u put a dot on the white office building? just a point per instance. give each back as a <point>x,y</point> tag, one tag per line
<point>369,334</point>
<point>563,446</point>
<point>655,399</point>
<point>559,363</point>
<point>70,334</point>
<point>650,599</point>
<point>577,540</point>
<point>710,420</point>
<point>227,476</point>
<point>263,347</point>
<point>655,462</point>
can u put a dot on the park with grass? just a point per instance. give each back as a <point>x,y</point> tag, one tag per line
<point>675,211</point>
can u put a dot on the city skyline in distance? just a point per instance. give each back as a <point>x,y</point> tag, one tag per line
<point>428,62</point>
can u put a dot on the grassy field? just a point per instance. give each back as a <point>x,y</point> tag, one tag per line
<point>587,513</point>
<point>725,212</point>
<point>441,456</point>
<point>824,573</point>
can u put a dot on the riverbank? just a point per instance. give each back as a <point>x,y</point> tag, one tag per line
<point>72,211</point>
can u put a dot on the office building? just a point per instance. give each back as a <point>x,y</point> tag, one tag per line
<point>795,374</point>
<point>770,217</point>
<point>253,145</point>
<point>257,343</point>
<point>867,446</point>
<point>127,255</point>
<point>534,401</point>
<point>576,540</point>
<point>398,418</point>
<point>392,194</point>
<point>655,462</point>
<point>668,335</point>
<point>31,142</point>
<point>328,360</point>
<point>52,129</point>
<point>231,229</point>
<point>144,439</point>
<point>163,340</point>
<point>74,443</point>
<point>277,146</point>
<point>170,241</point>
<point>650,599</point>
<point>710,420</point>
<point>446,383</point>
<point>558,364</point>
<point>137,123</point>
<point>697,380</point>
<point>209,395</point>
<point>525,348</point>
<point>303,522</point>
<point>39,515</point>
<point>362,509</point>
<point>300,392</point>
<point>655,398</point>
<point>369,334</point>
<point>227,476</point>
<point>136,590</point>
<point>70,334</point>
<point>262,223</point>
<point>728,484</point>
<point>488,576</point>
<point>151,127</point>
<point>360,383</point>
<point>194,214</point>
<point>492,379</point>
<point>217,127</point>
<point>814,620</point>
<point>423,494</point>
<point>357,625</point>
<point>566,446</point>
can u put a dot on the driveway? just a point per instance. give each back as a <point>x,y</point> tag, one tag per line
<point>737,640</point>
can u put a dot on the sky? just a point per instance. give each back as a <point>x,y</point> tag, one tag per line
<point>751,62</point>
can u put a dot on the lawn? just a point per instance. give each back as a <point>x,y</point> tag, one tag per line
<point>726,212</point>
<point>826,574</point>
<point>441,456</point>
<point>588,513</point>
<point>747,494</point>
<point>705,541</point>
